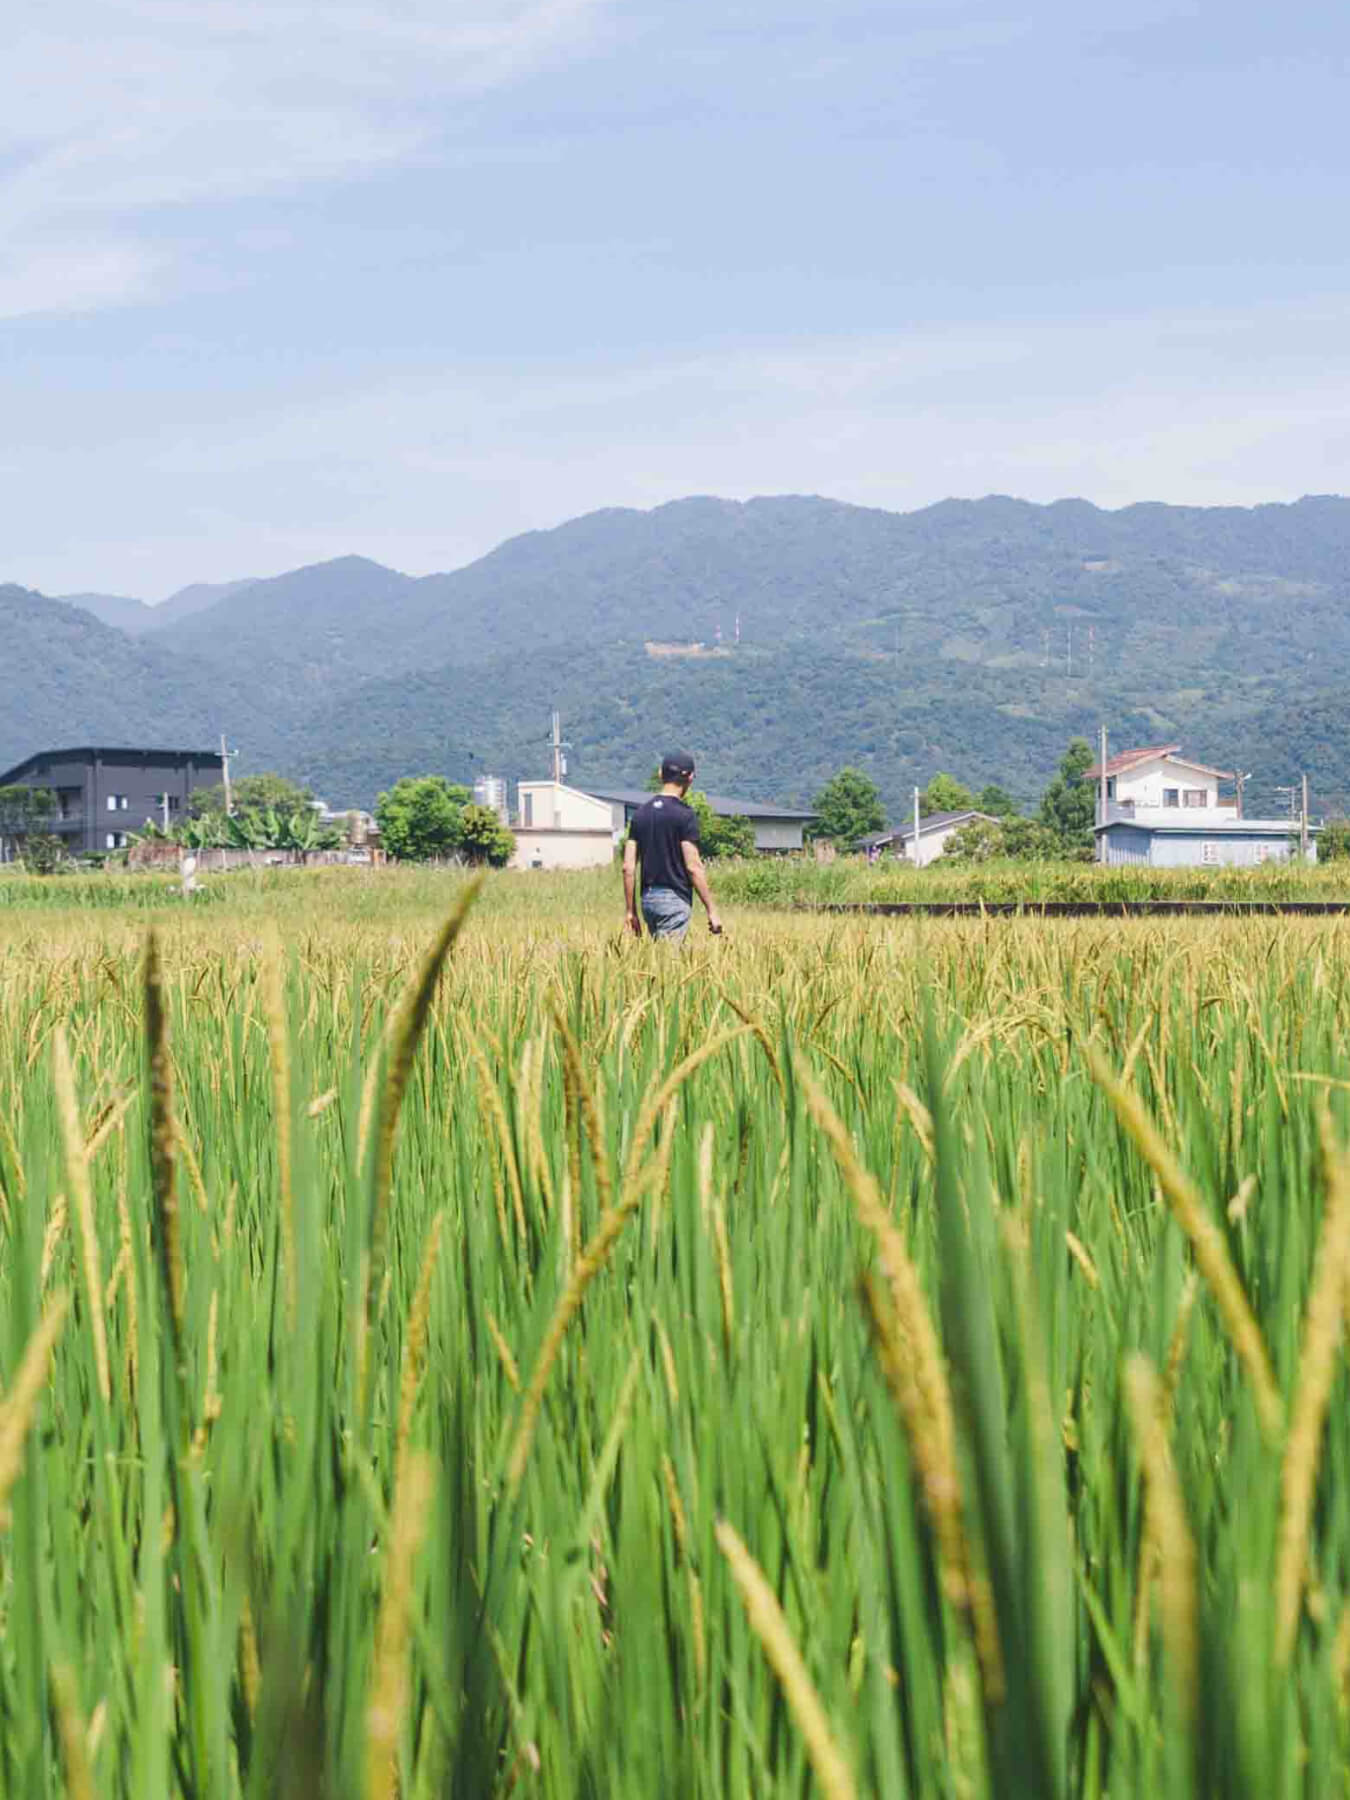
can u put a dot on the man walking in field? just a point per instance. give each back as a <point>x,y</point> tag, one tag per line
<point>663,840</point>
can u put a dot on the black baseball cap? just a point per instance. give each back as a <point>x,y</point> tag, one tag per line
<point>677,766</point>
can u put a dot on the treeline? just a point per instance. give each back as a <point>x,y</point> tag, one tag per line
<point>849,810</point>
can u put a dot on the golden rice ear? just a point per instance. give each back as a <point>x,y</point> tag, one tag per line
<point>163,1145</point>
<point>21,1402</point>
<point>1167,1532</point>
<point>412,1018</point>
<point>1211,1252</point>
<point>1323,1323</point>
<point>771,1628</point>
<point>389,1683</point>
<point>77,1175</point>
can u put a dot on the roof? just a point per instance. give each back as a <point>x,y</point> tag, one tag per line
<point>1216,828</point>
<point>724,806</point>
<point>109,750</point>
<point>930,822</point>
<point>1131,759</point>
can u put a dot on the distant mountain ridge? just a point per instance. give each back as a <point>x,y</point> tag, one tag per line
<point>972,635</point>
<point>138,616</point>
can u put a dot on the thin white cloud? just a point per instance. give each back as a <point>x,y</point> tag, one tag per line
<point>118,108</point>
<point>428,473</point>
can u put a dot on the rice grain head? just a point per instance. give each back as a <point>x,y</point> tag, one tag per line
<point>390,1683</point>
<point>1321,1341</point>
<point>771,1628</point>
<point>1167,1529</point>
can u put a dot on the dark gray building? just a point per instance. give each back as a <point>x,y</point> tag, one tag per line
<point>103,795</point>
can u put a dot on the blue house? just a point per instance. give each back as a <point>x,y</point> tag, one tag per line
<point>1164,809</point>
<point>1235,844</point>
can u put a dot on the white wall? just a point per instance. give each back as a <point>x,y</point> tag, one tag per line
<point>552,805</point>
<point>549,849</point>
<point>1144,785</point>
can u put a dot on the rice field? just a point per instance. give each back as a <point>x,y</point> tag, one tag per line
<point>448,1350</point>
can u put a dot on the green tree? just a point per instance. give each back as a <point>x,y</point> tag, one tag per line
<point>945,794</point>
<point>26,814</point>
<point>43,852</point>
<point>252,794</point>
<point>980,840</point>
<point>731,837</point>
<point>483,837</point>
<point>1333,841</point>
<point>996,801</point>
<point>421,817</point>
<point>1069,804</point>
<point>718,836</point>
<point>848,807</point>
<point>1010,839</point>
<point>24,810</point>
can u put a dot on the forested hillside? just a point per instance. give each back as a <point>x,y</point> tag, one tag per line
<point>974,636</point>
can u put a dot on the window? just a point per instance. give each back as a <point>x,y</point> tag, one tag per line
<point>1195,797</point>
<point>1110,787</point>
<point>117,803</point>
<point>115,840</point>
<point>1171,797</point>
<point>529,810</point>
<point>1209,853</point>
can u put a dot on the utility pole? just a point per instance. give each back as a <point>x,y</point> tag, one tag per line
<point>558,746</point>
<point>916,828</point>
<point>164,798</point>
<point>1242,780</point>
<point>225,754</point>
<point>1303,819</point>
<point>1101,814</point>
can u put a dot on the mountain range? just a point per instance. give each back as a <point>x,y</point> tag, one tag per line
<point>777,638</point>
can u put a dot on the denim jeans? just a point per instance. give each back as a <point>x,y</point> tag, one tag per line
<point>666,912</point>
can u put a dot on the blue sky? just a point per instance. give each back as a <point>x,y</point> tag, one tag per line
<point>282,281</point>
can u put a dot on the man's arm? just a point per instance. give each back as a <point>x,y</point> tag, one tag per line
<point>698,876</point>
<point>630,887</point>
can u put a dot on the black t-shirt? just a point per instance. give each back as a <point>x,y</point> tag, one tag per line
<point>659,828</point>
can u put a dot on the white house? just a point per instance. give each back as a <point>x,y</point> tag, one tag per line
<point>558,827</point>
<point>1165,809</point>
<point>936,831</point>
<point>1159,779</point>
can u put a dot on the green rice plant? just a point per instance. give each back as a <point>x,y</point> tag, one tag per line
<point>893,1357</point>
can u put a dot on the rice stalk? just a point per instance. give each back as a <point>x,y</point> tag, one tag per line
<point>390,1683</point>
<point>77,1175</point>
<point>415,1346</point>
<point>654,1104</point>
<point>1321,1341</point>
<point>771,1628</point>
<point>73,1734</point>
<point>589,1110</point>
<point>588,1265</point>
<point>412,1018</point>
<point>1167,1529</point>
<point>18,1406</point>
<point>163,1141</point>
<point>492,1099</point>
<point>279,1053</point>
<point>1211,1252</point>
<point>910,1353</point>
